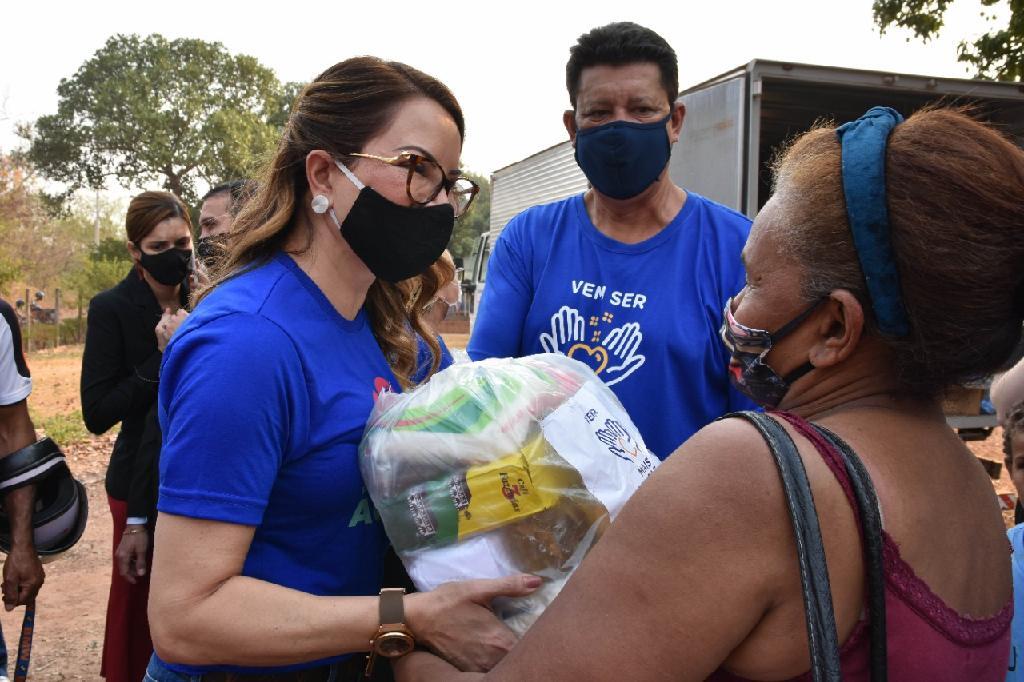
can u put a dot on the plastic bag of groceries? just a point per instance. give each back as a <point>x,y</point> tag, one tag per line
<point>500,467</point>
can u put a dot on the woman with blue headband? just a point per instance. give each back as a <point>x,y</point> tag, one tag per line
<point>846,533</point>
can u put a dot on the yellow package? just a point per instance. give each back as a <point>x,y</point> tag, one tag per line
<point>483,497</point>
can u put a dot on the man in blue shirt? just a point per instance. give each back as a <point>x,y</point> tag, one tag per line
<point>630,277</point>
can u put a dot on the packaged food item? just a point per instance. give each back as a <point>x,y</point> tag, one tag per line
<point>478,499</point>
<point>500,467</point>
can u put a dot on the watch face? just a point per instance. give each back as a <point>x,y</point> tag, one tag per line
<point>394,644</point>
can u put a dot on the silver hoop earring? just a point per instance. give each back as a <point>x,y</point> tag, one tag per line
<point>320,204</point>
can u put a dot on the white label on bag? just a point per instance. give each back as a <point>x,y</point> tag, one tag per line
<point>478,556</point>
<point>596,436</point>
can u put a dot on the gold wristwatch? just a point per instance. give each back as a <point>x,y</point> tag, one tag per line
<point>393,638</point>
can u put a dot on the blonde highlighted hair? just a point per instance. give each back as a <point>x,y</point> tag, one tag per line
<point>343,108</point>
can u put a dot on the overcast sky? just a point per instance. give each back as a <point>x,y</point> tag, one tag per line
<point>505,61</point>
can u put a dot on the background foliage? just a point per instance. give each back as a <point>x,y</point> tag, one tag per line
<point>146,109</point>
<point>998,54</point>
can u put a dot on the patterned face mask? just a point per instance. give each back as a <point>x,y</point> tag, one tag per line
<point>748,372</point>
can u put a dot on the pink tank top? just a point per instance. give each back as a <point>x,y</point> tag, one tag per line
<point>927,640</point>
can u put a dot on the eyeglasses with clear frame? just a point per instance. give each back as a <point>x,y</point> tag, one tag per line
<point>451,307</point>
<point>426,179</point>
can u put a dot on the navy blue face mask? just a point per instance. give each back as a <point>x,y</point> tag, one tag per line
<point>621,159</point>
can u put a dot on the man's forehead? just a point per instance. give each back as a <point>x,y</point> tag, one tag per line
<point>216,204</point>
<point>638,79</point>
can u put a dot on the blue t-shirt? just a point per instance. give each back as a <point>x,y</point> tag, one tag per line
<point>1015,667</point>
<point>264,395</point>
<point>645,317</point>
<point>424,359</point>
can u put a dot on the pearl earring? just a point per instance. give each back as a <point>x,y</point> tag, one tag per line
<point>320,204</point>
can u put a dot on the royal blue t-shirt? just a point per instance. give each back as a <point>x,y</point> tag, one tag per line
<point>424,359</point>
<point>644,316</point>
<point>1015,666</point>
<point>265,391</point>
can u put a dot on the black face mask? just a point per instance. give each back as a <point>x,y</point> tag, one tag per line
<point>395,242</point>
<point>209,250</point>
<point>169,267</point>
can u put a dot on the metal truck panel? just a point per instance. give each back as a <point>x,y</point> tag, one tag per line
<point>896,82</point>
<point>713,132</point>
<point>547,176</point>
<point>787,99</point>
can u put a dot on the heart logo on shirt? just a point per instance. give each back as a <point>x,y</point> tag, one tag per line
<point>380,384</point>
<point>596,358</point>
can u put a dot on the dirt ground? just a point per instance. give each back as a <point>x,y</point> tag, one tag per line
<point>71,607</point>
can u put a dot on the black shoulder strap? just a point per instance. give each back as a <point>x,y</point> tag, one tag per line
<point>871,521</point>
<point>821,623</point>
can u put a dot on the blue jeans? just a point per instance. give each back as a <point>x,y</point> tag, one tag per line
<point>3,654</point>
<point>158,672</point>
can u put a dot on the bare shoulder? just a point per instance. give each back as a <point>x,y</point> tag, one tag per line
<point>724,463</point>
<point>715,490</point>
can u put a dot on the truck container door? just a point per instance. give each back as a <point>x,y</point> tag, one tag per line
<point>710,156</point>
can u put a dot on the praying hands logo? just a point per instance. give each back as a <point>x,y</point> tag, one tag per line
<point>618,441</point>
<point>613,360</point>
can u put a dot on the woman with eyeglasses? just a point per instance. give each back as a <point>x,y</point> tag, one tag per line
<point>268,550</point>
<point>445,301</point>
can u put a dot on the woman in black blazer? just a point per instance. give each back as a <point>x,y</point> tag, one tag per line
<point>128,327</point>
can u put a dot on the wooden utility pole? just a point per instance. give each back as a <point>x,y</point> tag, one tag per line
<point>28,320</point>
<point>96,222</point>
<point>56,313</point>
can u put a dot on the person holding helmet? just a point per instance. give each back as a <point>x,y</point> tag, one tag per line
<point>33,475</point>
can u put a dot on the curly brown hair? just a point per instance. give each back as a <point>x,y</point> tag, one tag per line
<point>421,291</point>
<point>1012,425</point>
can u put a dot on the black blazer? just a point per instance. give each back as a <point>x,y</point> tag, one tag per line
<point>120,375</point>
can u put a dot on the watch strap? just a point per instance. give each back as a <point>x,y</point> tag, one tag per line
<point>392,607</point>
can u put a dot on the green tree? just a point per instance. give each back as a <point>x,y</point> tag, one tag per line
<point>16,209</point>
<point>112,248</point>
<point>469,227</point>
<point>289,92</point>
<point>96,274</point>
<point>998,54</point>
<point>38,248</point>
<point>144,109</point>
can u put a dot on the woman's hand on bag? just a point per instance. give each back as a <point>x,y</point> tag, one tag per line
<point>131,553</point>
<point>457,622</point>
